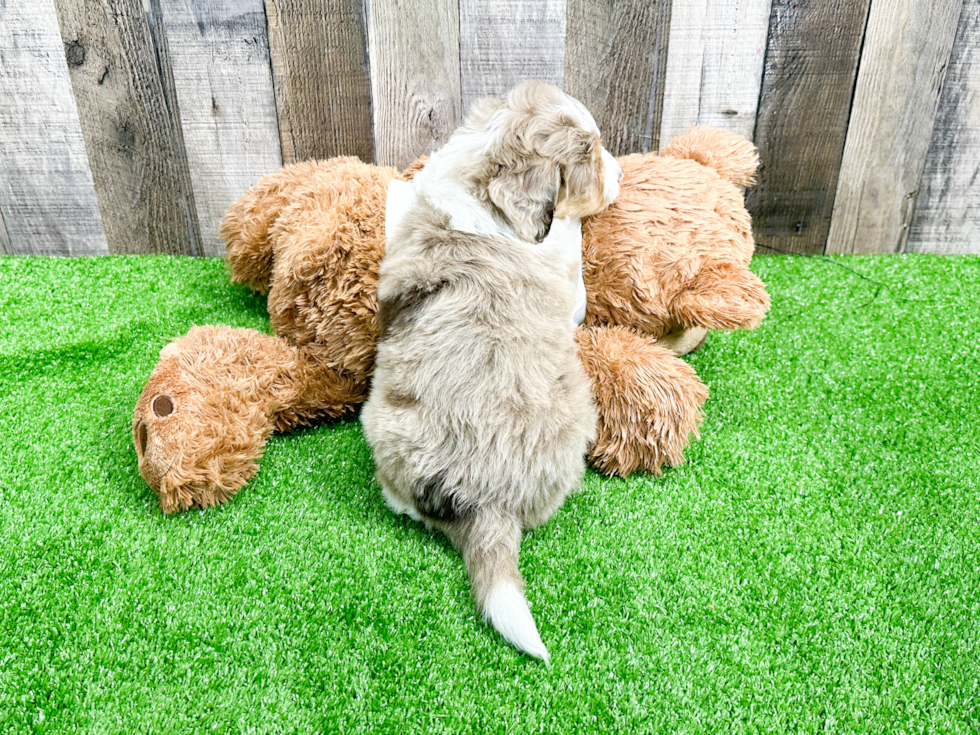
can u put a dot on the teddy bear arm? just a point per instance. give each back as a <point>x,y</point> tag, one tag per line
<point>648,401</point>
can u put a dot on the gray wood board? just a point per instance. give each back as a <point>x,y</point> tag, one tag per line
<point>903,65</point>
<point>415,77</point>
<point>48,204</point>
<point>504,42</point>
<point>615,63</point>
<point>947,213</point>
<point>219,53</point>
<point>120,74</point>
<point>808,81</point>
<point>714,65</point>
<point>5,248</point>
<point>321,78</point>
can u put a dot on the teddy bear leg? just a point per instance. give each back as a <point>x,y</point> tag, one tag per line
<point>649,401</point>
<point>726,296</point>
<point>683,341</point>
<point>247,226</point>
<point>210,404</point>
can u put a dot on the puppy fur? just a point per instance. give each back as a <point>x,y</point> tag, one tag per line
<point>480,413</point>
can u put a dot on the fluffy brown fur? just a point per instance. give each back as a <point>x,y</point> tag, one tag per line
<point>638,384</point>
<point>669,256</point>
<point>213,400</point>
<point>673,250</point>
<point>321,257</point>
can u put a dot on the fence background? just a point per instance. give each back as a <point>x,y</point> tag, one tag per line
<point>128,126</point>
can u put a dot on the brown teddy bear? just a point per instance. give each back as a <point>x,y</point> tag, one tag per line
<point>664,264</point>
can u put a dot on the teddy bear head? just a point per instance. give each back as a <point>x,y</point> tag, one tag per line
<point>197,442</point>
<point>672,253</point>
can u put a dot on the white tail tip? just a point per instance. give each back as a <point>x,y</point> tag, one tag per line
<point>507,611</point>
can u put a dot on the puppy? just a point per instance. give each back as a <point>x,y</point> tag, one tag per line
<point>480,414</point>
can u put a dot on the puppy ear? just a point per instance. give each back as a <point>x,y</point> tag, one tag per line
<point>481,111</point>
<point>526,198</point>
<point>581,191</point>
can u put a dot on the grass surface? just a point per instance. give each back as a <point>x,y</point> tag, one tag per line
<point>812,568</point>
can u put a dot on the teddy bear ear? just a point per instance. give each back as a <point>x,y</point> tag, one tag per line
<point>724,296</point>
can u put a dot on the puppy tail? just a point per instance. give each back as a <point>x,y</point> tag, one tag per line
<point>490,542</point>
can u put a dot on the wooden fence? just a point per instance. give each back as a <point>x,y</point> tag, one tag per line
<point>128,126</point>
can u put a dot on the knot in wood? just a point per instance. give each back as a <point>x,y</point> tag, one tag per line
<point>75,53</point>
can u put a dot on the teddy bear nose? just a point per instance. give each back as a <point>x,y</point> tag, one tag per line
<point>162,406</point>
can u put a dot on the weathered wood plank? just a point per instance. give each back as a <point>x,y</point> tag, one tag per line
<point>714,65</point>
<point>47,198</point>
<point>615,63</point>
<point>414,53</point>
<point>5,248</point>
<point>322,86</point>
<point>810,68</point>
<point>906,52</point>
<point>504,42</point>
<point>947,213</point>
<point>219,52</point>
<point>120,75</point>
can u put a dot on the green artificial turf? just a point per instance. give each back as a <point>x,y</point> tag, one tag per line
<point>812,568</point>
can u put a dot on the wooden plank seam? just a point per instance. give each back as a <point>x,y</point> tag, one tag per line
<point>161,52</point>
